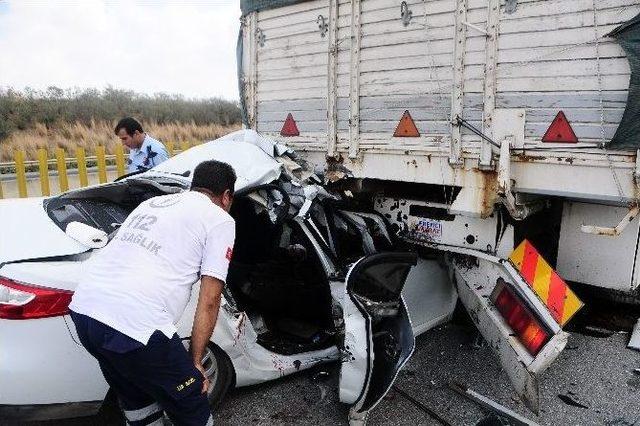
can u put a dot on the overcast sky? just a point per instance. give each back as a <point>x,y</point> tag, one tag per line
<point>172,46</point>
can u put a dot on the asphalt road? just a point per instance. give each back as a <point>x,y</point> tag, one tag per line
<point>595,371</point>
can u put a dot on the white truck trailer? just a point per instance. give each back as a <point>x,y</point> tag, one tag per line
<point>480,129</point>
<point>475,124</point>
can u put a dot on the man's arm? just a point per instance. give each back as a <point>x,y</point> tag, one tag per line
<point>161,156</point>
<point>204,320</point>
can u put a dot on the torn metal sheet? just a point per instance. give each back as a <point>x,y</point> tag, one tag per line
<point>634,342</point>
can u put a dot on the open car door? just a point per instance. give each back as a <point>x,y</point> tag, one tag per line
<point>378,337</point>
<point>519,306</point>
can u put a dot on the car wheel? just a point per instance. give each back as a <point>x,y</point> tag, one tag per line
<point>219,371</point>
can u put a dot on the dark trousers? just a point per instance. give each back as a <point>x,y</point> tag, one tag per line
<point>148,379</point>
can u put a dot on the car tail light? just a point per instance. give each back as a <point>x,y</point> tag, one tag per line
<point>519,318</point>
<point>23,301</point>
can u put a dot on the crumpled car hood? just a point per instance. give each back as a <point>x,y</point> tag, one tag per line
<point>29,233</point>
<point>251,155</point>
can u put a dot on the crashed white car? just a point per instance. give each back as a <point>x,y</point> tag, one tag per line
<point>313,279</point>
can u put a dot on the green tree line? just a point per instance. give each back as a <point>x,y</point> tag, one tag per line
<point>22,110</point>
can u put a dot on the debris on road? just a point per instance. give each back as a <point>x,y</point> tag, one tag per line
<point>598,332</point>
<point>571,401</point>
<point>634,341</point>
<point>501,410</point>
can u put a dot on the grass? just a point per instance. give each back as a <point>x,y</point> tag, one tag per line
<point>100,132</point>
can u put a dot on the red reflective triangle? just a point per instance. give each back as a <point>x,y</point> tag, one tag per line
<point>406,127</point>
<point>289,128</point>
<point>560,131</point>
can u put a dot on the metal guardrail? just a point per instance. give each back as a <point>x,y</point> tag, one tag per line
<point>22,168</point>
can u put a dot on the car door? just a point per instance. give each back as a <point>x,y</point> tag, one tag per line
<point>378,336</point>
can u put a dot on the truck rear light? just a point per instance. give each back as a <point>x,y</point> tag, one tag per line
<point>23,301</point>
<point>528,330</point>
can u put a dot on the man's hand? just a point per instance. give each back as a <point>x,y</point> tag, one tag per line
<point>205,381</point>
<point>204,321</point>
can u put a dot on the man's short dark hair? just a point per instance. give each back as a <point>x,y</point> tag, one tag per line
<point>130,124</point>
<point>215,176</point>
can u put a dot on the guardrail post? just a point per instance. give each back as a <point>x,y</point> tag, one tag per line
<point>81,159</point>
<point>119,159</point>
<point>62,170</point>
<point>102,164</point>
<point>169,146</point>
<point>20,173</point>
<point>43,168</point>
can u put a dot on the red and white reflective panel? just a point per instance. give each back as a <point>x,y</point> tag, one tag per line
<point>25,301</point>
<point>560,131</point>
<point>289,128</point>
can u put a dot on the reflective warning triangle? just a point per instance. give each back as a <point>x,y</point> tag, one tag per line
<point>560,131</point>
<point>406,127</point>
<point>545,282</point>
<point>289,128</point>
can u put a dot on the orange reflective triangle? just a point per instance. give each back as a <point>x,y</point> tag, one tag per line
<point>560,131</point>
<point>406,127</point>
<point>289,128</point>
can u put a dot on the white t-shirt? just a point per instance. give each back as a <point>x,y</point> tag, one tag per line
<point>141,281</point>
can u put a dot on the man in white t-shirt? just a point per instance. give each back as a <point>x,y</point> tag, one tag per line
<point>135,290</point>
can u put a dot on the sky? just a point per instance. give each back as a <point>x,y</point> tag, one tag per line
<point>182,47</point>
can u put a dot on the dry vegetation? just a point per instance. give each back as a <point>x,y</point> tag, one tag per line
<point>69,136</point>
<point>53,118</point>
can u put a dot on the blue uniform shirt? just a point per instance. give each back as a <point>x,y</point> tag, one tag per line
<point>150,154</point>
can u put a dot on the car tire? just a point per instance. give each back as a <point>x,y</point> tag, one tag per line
<point>220,371</point>
<point>225,379</point>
